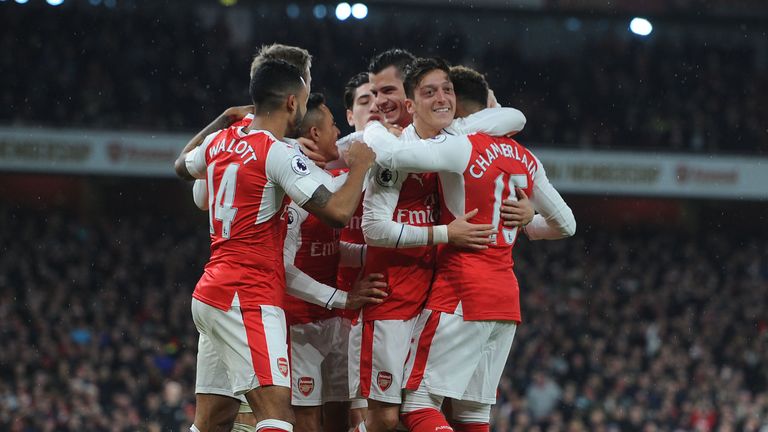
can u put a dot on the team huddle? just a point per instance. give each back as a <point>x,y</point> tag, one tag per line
<point>363,283</point>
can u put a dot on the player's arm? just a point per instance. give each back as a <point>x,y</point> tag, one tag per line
<point>382,193</point>
<point>379,205</point>
<point>301,285</point>
<point>200,194</point>
<point>227,118</point>
<point>555,219</point>
<point>351,254</point>
<point>298,283</point>
<point>443,153</point>
<point>492,121</point>
<point>308,186</point>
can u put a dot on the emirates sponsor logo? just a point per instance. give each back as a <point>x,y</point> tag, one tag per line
<point>282,366</point>
<point>384,380</point>
<point>306,385</point>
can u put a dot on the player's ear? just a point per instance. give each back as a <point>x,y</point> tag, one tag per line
<point>291,103</point>
<point>350,120</point>
<point>409,106</point>
<point>314,133</point>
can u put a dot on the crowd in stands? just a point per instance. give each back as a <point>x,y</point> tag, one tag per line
<point>156,68</point>
<point>643,331</point>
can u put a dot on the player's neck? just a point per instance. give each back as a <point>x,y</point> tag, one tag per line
<point>273,123</point>
<point>424,130</point>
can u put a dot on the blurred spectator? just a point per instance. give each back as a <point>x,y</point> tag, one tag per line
<point>542,396</point>
<point>161,67</point>
<point>623,331</point>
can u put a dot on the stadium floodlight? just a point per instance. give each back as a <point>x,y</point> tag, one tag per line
<point>292,10</point>
<point>640,26</point>
<point>320,11</point>
<point>359,10</point>
<point>343,11</point>
<point>54,2</point>
<point>21,1</point>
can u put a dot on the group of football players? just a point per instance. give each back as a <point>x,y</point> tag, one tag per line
<point>361,283</point>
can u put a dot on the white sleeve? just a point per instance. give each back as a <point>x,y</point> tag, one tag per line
<point>382,193</point>
<point>351,254</point>
<point>441,153</point>
<point>296,174</point>
<point>298,283</point>
<point>195,159</point>
<point>492,121</point>
<point>338,181</point>
<point>200,193</point>
<point>555,219</point>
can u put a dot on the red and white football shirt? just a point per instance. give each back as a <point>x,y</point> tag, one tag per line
<point>250,178</point>
<point>313,247</point>
<point>476,171</point>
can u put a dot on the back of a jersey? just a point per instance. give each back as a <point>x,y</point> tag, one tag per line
<point>484,280</point>
<point>244,213</point>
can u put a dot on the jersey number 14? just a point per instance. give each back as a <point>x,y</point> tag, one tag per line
<point>221,208</point>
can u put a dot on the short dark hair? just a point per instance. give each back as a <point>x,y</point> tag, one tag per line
<point>420,67</point>
<point>397,57</point>
<point>350,89</point>
<point>296,56</point>
<point>315,101</point>
<point>469,85</point>
<point>272,81</point>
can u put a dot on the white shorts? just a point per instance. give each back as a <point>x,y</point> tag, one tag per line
<point>458,359</point>
<point>319,362</point>
<point>211,376</point>
<point>378,351</point>
<point>248,348</point>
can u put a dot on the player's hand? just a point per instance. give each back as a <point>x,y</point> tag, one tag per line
<point>517,213</point>
<point>468,235</point>
<point>237,113</point>
<point>366,290</point>
<point>492,102</point>
<point>312,151</point>
<point>360,154</point>
<point>393,129</point>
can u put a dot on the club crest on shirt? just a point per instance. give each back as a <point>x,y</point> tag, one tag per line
<point>306,385</point>
<point>282,366</point>
<point>384,380</point>
<point>386,177</point>
<point>299,165</point>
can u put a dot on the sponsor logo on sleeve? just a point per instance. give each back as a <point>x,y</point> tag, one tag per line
<point>292,215</point>
<point>299,165</point>
<point>386,177</point>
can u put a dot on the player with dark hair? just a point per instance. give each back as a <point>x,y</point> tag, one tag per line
<point>386,71</point>
<point>251,173</point>
<point>463,337</point>
<point>319,336</point>
<point>400,211</point>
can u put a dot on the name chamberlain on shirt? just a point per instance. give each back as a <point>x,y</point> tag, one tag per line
<point>493,152</point>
